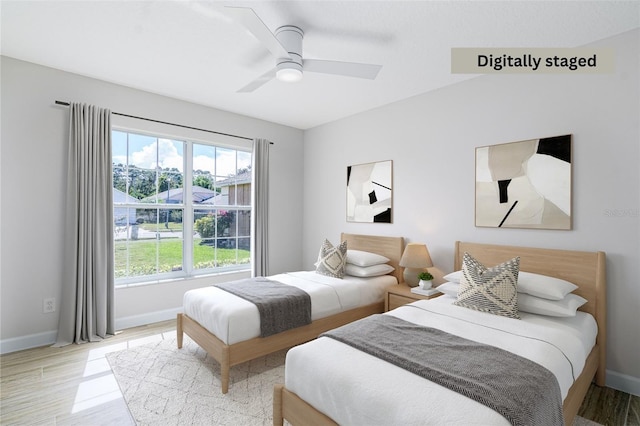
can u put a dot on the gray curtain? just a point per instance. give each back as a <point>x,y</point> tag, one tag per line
<point>87,304</point>
<point>260,208</point>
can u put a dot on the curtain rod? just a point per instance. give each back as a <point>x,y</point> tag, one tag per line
<point>170,124</point>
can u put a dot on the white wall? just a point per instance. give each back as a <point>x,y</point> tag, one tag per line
<point>34,151</point>
<point>431,140</point>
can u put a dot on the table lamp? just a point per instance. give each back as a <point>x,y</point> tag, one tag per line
<point>415,259</point>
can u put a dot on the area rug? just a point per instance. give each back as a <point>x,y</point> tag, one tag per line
<point>581,421</point>
<point>164,385</point>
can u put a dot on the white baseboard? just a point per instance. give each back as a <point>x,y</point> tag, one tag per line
<point>37,340</point>
<point>47,338</point>
<point>622,382</point>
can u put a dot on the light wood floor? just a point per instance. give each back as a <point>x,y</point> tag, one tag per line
<point>74,385</point>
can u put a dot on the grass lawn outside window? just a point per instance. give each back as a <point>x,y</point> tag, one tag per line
<point>142,254</point>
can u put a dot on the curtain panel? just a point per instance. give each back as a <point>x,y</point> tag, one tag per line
<point>260,206</point>
<point>87,304</point>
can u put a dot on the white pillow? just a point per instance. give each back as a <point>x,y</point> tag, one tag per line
<point>365,258</point>
<point>566,307</point>
<point>368,271</point>
<point>454,277</point>
<point>450,289</point>
<point>543,286</point>
<point>534,284</point>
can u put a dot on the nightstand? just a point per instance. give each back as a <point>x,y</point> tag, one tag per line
<point>400,294</point>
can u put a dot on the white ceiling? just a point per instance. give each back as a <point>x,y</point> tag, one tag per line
<point>194,51</point>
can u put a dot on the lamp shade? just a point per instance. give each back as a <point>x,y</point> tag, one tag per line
<point>416,255</point>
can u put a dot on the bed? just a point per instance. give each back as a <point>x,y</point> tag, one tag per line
<point>231,350</point>
<point>585,269</point>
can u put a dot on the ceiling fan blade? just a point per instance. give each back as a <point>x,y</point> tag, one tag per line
<point>259,82</point>
<point>349,69</point>
<point>247,17</point>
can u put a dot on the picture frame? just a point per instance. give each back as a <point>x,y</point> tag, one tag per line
<point>370,192</point>
<point>525,184</point>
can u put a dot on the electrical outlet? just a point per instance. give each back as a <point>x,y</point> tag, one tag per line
<point>49,305</point>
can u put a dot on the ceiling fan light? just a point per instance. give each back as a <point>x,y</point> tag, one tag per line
<point>289,75</point>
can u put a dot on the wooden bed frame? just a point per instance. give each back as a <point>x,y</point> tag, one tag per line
<point>585,269</point>
<point>237,353</point>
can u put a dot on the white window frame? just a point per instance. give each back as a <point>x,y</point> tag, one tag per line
<point>188,137</point>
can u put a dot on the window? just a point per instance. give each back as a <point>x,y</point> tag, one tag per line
<point>161,233</point>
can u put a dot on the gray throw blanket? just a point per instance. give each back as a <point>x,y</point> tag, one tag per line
<point>281,306</point>
<point>524,392</point>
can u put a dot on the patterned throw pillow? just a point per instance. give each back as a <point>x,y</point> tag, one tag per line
<point>491,290</point>
<point>331,260</point>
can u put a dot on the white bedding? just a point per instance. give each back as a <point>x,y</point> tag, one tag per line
<point>354,388</point>
<point>233,319</point>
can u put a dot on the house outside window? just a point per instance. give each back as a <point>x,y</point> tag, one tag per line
<point>161,233</point>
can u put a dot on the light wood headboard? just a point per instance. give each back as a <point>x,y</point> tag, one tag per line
<point>584,269</point>
<point>391,247</point>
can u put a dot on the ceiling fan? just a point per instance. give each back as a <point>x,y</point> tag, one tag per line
<point>286,46</point>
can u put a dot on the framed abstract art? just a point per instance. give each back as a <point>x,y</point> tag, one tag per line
<point>525,184</point>
<point>370,192</point>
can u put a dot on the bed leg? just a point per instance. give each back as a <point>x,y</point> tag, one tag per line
<point>224,370</point>
<point>225,379</point>
<point>179,332</point>
<point>277,405</point>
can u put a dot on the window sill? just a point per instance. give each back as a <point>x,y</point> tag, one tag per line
<point>169,280</point>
